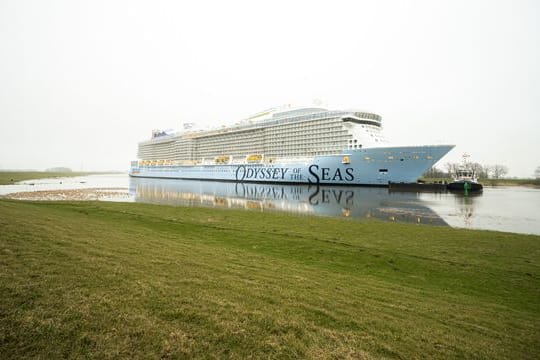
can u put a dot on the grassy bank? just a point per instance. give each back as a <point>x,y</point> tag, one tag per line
<point>493,182</point>
<point>132,280</point>
<point>511,182</point>
<point>11,177</point>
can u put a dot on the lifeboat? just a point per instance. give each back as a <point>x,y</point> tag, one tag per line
<point>224,159</point>
<point>254,158</point>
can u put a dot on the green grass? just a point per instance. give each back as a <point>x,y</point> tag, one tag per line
<point>11,177</point>
<point>493,182</point>
<point>110,280</point>
<point>511,182</point>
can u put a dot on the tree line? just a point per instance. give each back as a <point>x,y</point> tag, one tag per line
<point>496,171</point>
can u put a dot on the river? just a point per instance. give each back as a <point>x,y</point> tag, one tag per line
<point>512,209</point>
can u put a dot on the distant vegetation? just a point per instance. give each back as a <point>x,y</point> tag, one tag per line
<point>489,182</point>
<point>511,182</point>
<point>11,177</point>
<point>117,280</point>
<point>491,175</point>
<point>59,169</point>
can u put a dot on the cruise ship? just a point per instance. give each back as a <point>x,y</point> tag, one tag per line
<point>287,145</point>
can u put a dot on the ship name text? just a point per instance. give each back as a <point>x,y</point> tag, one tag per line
<point>264,173</point>
<point>318,174</point>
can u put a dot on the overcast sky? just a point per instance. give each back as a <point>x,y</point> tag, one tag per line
<point>82,82</point>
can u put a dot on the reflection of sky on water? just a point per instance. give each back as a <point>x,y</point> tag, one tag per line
<point>514,209</point>
<point>68,183</point>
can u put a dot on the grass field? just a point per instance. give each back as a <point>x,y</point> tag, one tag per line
<point>494,182</point>
<point>114,280</point>
<point>511,182</point>
<point>11,177</point>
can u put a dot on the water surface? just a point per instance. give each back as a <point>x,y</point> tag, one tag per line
<point>513,209</point>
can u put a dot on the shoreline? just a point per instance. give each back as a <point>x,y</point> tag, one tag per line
<point>86,194</point>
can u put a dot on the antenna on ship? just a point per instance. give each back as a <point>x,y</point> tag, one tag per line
<point>318,102</point>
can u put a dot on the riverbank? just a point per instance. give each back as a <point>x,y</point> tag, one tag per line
<point>512,182</point>
<point>492,182</point>
<point>91,194</point>
<point>109,280</point>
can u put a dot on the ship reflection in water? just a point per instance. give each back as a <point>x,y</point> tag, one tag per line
<point>338,201</point>
<point>465,206</point>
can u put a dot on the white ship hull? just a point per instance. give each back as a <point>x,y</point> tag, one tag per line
<point>367,166</point>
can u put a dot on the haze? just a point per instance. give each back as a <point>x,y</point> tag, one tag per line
<point>82,82</point>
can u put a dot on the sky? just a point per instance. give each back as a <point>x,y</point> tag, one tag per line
<point>82,82</point>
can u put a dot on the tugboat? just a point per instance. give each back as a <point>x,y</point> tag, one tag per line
<point>465,179</point>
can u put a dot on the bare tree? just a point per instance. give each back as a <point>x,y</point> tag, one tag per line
<point>435,173</point>
<point>537,173</point>
<point>451,168</point>
<point>498,171</point>
<point>488,170</point>
<point>479,170</point>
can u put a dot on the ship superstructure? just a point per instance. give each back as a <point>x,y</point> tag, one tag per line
<point>283,134</point>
